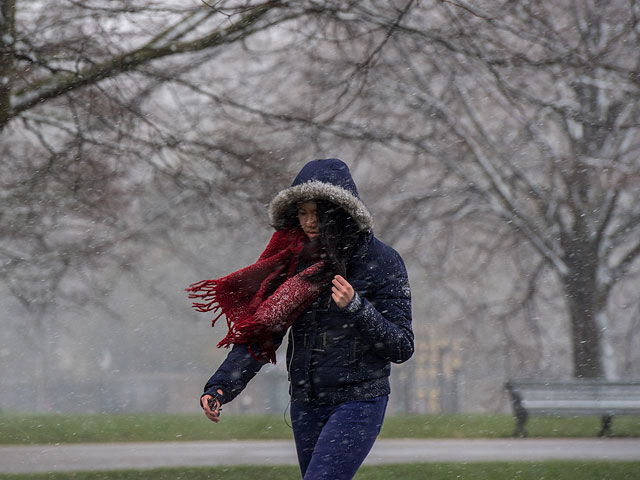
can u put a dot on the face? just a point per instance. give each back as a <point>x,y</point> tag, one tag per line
<point>307,215</point>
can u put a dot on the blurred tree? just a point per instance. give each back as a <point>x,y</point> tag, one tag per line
<point>91,166</point>
<point>522,113</point>
<point>542,103</point>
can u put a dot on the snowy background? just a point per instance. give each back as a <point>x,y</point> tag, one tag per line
<point>496,144</point>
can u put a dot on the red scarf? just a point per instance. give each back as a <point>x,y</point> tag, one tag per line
<point>263,299</point>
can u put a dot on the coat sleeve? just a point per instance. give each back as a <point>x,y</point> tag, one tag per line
<point>383,318</point>
<point>236,371</point>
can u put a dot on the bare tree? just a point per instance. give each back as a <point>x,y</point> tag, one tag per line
<point>559,165</point>
<point>527,115</point>
<point>82,150</point>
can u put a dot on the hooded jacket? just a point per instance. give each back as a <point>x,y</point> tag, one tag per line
<point>336,355</point>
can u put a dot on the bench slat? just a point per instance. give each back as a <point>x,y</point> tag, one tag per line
<point>566,404</point>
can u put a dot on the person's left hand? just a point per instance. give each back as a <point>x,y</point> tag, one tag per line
<point>341,291</point>
<point>213,415</point>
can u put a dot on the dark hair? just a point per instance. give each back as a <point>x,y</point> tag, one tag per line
<point>290,216</point>
<point>339,235</point>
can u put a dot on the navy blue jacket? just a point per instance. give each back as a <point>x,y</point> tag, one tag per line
<point>336,355</point>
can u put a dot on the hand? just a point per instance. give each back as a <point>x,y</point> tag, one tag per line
<point>213,415</point>
<point>341,292</point>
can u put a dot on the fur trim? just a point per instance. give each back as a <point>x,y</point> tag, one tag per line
<point>316,190</point>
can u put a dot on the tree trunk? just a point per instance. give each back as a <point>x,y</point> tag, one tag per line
<point>584,307</point>
<point>7,39</point>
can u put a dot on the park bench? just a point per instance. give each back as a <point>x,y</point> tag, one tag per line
<point>573,398</point>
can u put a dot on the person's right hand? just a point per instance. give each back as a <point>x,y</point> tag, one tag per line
<point>213,415</point>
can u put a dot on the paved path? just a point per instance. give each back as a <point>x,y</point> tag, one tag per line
<point>50,458</point>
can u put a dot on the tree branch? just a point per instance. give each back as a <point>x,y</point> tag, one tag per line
<point>57,85</point>
<point>7,40</point>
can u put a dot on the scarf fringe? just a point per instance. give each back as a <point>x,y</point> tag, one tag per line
<point>205,290</point>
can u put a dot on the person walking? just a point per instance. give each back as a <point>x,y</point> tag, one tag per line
<point>342,298</point>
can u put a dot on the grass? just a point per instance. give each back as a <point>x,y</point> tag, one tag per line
<point>80,428</point>
<point>501,426</point>
<point>52,428</point>
<point>556,470</point>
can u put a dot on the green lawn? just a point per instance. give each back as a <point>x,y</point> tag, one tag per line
<point>50,428</point>
<point>431,471</point>
<point>31,429</point>
<point>500,426</point>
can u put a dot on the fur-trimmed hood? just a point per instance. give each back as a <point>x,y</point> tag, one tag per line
<point>325,179</point>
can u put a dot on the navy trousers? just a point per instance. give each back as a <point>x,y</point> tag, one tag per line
<point>333,441</point>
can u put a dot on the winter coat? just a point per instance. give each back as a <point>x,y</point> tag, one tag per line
<point>336,355</point>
